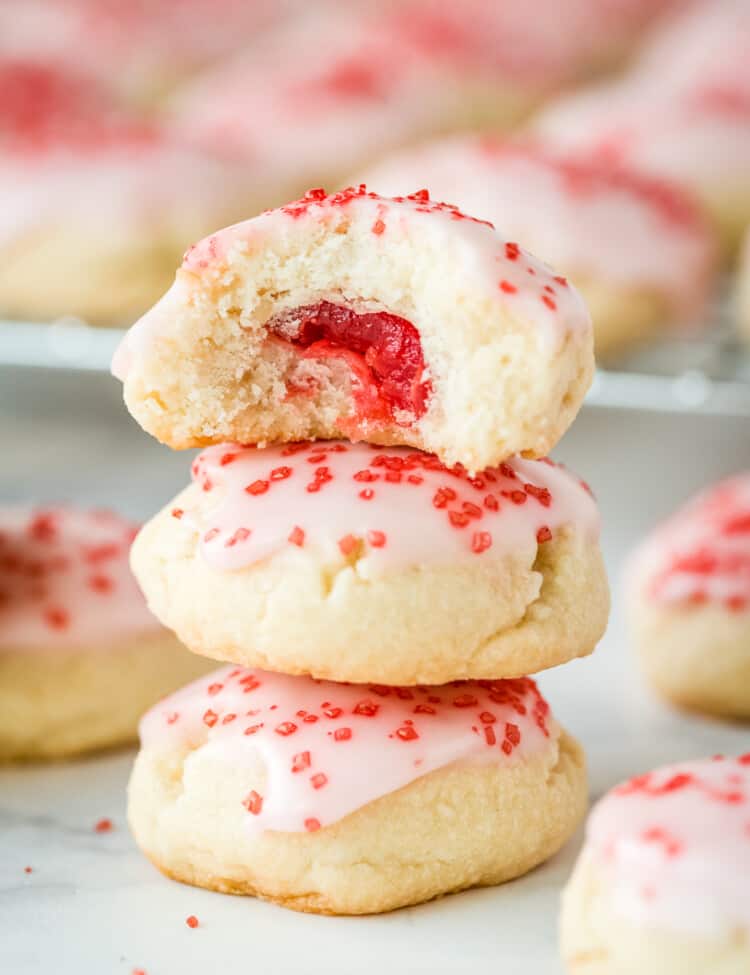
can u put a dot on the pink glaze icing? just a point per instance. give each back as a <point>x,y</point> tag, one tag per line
<point>702,553</point>
<point>387,506</point>
<point>675,846</point>
<point>65,580</point>
<point>329,749</point>
<point>505,272</point>
<point>70,156</point>
<point>579,216</point>
<point>697,134</point>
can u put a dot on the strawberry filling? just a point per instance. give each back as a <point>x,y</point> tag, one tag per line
<point>382,351</point>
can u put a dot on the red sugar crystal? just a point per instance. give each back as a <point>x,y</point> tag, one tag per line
<point>513,734</point>
<point>101,583</point>
<point>378,227</point>
<point>227,459</point>
<point>376,539</point>
<point>464,701</point>
<point>103,826</point>
<point>214,688</point>
<point>342,734</point>
<point>210,718</point>
<point>367,495</point>
<point>285,728</point>
<point>366,708</point>
<point>348,544</point>
<point>192,921</point>
<point>480,542</point>
<point>301,761</point>
<point>280,473</point>
<point>549,302</point>
<point>489,734</point>
<point>330,712</point>
<point>311,825</point>
<point>319,780</point>
<point>297,536</point>
<point>508,288</point>
<point>253,802</point>
<point>257,487</point>
<point>177,513</point>
<point>544,534</point>
<point>56,618</point>
<point>512,251</point>
<point>406,733</point>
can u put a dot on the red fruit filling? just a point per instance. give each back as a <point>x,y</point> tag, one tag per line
<point>383,352</point>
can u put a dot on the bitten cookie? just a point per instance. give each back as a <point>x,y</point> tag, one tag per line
<point>81,658</point>
<point>663,882</point>
<point>357,563</point>
<point>396,321</point>
<point>339,799</point>
<point>95,203</point>
<point>689,595</point>
<point>637,248</point>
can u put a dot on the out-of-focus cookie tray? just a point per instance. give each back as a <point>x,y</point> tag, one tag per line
<point>704,371</point>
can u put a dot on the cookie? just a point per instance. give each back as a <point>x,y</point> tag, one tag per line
<point>81,658</point>
<point>355,563</point>
<point>95,202</point>
<point>139,49</point>
<point>340,799</point>
<point>689,596</point>
<point>638,249</point>
<point>663,881</point>
<point>396,321</point>
<point>696,135</point>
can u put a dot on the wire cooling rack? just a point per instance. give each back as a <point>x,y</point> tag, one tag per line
<point>702,371</point>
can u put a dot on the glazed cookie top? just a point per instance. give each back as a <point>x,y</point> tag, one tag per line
<point>701,555</point>
<point>380,507</point>
<point>699,133</point>
<point>502,271</point>
<point>65,579</point>
<point>675,845</point>
<point>328,749</point>
<point>578,215</point>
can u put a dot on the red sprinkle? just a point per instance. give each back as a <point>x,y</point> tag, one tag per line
<point>285,728</point>
<point>348,544</point>
<point>253,802</point>
<point>508,288</point>
<point>312,825</point>
<point>480,542</point>
<point>103,826</point>
<point>297,536</point>
<point>376,539</point>
<point>300,762</point>
<point>512,251</point>
<point>257,487</point>
<point>210,718</point>
<point>319,780</point>
<point>342,734</point>
<point>192,921</point>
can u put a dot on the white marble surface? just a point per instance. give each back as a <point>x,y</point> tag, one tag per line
<point>93,906</point>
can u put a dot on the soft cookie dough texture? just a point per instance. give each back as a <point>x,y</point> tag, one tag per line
<point>689,601</point>
<point>81,657</point>
<point>362,564</point>
<point>662,886</point>
<point>396,321</point>
<point>361,801</point>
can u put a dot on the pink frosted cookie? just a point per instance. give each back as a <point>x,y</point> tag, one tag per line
<point>696,134</point>
<point>637,248</point>
<point>663,882</point>
<point>343,799</point>
<point>397,321</point>
<point>332,90</point>
<point>73,626</point>
<point>95,204</point>
<point>138,48</point>
<point>358,563</point>
<point>689,592</point>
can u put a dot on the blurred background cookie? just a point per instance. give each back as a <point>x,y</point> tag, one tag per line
<point>663,881</point>
<point>689,592</point>
<point>81,657</point>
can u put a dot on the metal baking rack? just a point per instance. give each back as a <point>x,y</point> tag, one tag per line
<point>699,371</point>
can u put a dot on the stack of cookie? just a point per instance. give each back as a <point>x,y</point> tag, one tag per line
<point>384,576</point>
